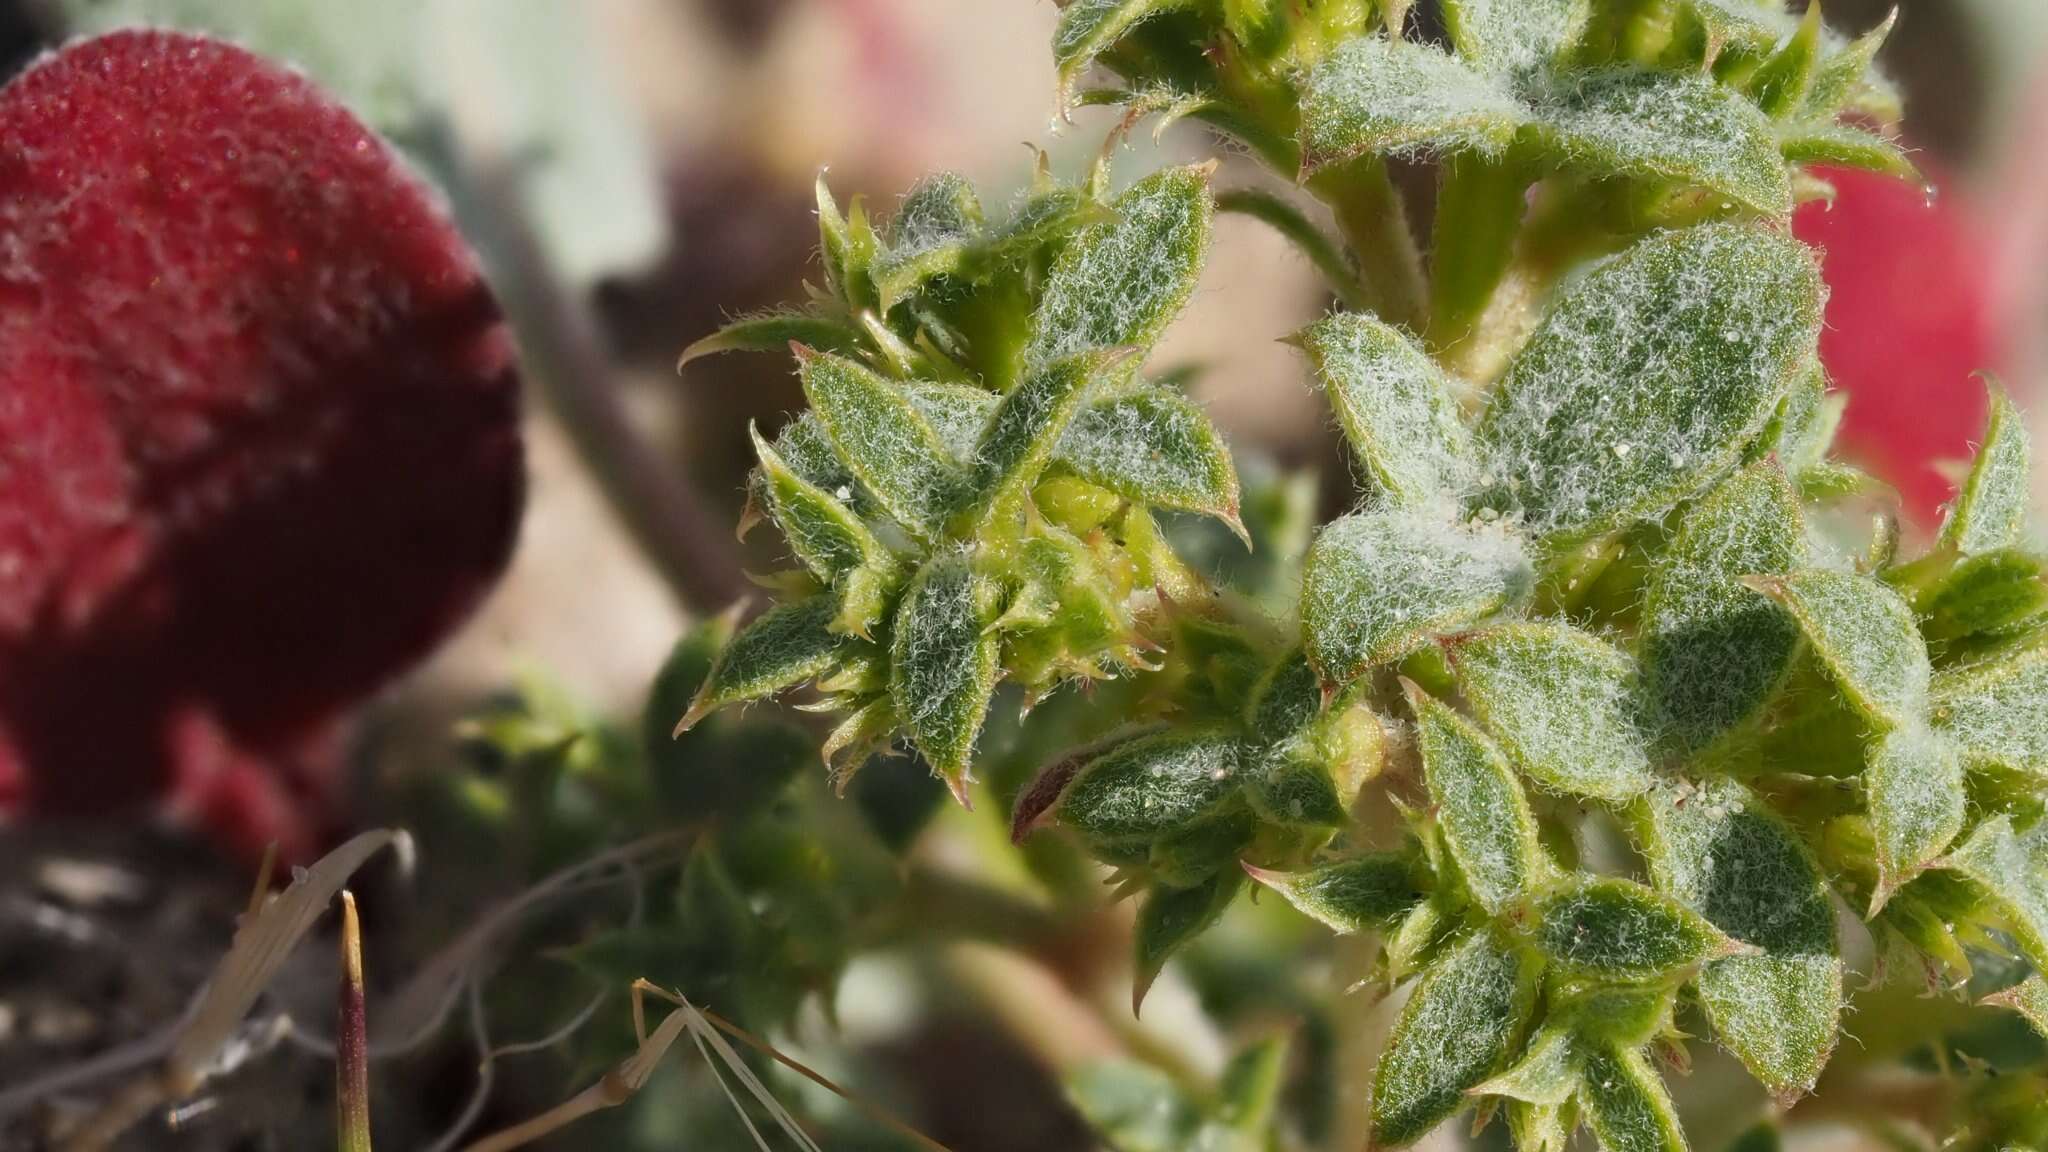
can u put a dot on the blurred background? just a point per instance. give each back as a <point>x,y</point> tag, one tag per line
<point>636,172</point>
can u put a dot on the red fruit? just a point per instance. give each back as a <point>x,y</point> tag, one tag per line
<point>1911,315</point>
<point>259,445</point>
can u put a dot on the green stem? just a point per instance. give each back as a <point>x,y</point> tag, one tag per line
<point>1479,209</point>
<point>1374,222</point>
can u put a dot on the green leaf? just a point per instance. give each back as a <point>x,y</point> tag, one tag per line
<point>1994,860</point>
<point>1865,636</point>
<point>957,412</point>
<point>1288,220</point>
<point>1248,1093</point>
<point>1357,894</point>
<point>1714,649</point>
<point>1513,35</point>
<point>1780,83</point>
<point>1541,1127</point>
<point>1991,509</point>
<point>1023,432</point>
<point>1120,281</point>
<point>1627,1105</point>
<point>1547,1073</point>
<point>1617,1015</point>
<point>785,646</point>
<point>1804,428</point>
<point>894,451</point>
<point>1990,595</point>
<point>1686,130</point>
<point>1171,918</point>
<point>824,534</point>
<point>848,248</point>
<point>1843,73</point>
<point>1486,820</point>
<point>1650,374</point>
<point>1914,787</point>
<point>1374,96</point>
<point>1613,929</point>
<point>943,664</point>
<point>1378,584</point>
<point>1458,1029</point>
<point>1088,28</point>
<point>1844,146</point>
<point>774,332</point>
<point>1395,406</point>
<point>1151,786</point>
<point>1155,447</point>
<point>1996,712</point>
<point>807,451</point>
<point>930,236</point>
<point>2029,998</point>
<point>1725,854</point>
<point>1565,705</point>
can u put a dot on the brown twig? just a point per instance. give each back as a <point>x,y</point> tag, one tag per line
<point>568,353</point>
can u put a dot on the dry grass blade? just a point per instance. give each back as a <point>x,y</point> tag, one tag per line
<point>352,1050</point>
<point>260,947</point>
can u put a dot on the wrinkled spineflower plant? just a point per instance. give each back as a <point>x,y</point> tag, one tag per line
<point>1602,628</point>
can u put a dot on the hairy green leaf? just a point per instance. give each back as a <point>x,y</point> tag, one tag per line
<point>929,238</point>
<point>894,451</point>
<point>1379,583</point>
<point>1087,28</point>
<point>1546,1073</point>
<point>1155,447</point>
<point>1356,894</point>
<point>2029,998</point>
<point>1914,786</point>
<point>1713,649</point>
<point>1994,860</point>
<point>785,646</point>
<point>774,332</point>
<point>942,663</point>
<point>1135,1106</point>
<point>1121,280</point>
<point>1396,408</point>
<point>1565,705</point>
<point>1650,374</point>
<point>1995,594</point>
<point>1171,918</point>
<point>1845,71</point>
<point>1614,929</point>
<point>1722,852</point>
<point>1992,506</point>
<point>1458,1029</point>
<point>1996,712</point>
<point>1151,786</point>
<point>1376,95</point>
<point>1845,146</point>
<point>848,248</point>
<point>1486,819</point>
<point>1513,35</point>
<point>1627,1105</point>
<point>1658,126</point>
<point>824,534</point>
<point>1024,430</point>
<point>1865,636</point>
<point>1780,83</point>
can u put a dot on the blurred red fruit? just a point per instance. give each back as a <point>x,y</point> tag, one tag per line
<point>259,444</point>
<point>1911,315</point>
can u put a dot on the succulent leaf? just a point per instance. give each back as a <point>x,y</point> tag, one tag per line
<point>1996,711</point>
<point>1992,506</point>
<point>1486,819</point>
<point>1914,786</point>
<point>1565,705</point>
<point>1171,918</point>
<point>1650,374</point>
<point>1459,1028</point>
<point>785,646</point>
<point>1713,648</point>
<point>1720,850</point>
<point>1376,96</point>
<point>1627,1104</point>
<point>1156,447</point>
<point>1359,894</point>
<point>884,440</point>
<point>943,663</point>
<point>1396,408</point>
<point>1617,930</point>
<point>1865,635</point>
<point>1151,786</point>
<point>1120,280</point>
<point>1378,584</point>
<point>1513,36</point>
